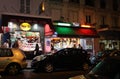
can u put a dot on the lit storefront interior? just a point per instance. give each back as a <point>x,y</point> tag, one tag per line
<point>27,38</point>
<point>109,44</point>
<point>59,43</point>
<point>68,35</point>
<point>28,30</point>
<point>109,39</point>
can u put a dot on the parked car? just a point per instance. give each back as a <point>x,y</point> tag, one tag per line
<point>109,68</point>
<point>68,58</point>
<point>12,60</point>
<point>96,59</point>
<point>107,53</point>
<point>115,53</point>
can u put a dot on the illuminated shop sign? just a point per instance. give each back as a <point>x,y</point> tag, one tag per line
<point>25,18</point>
<point>62,24</point>
<point>67,24</point>
<point>86,26</point>
<point>25,26</point>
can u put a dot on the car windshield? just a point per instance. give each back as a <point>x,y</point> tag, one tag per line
<point>107,68</point>
<point>61,52</point>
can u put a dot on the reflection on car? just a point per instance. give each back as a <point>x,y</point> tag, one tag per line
<point>12,60</point>
<point>115,53</point>
<point>106,53</point>
<point>68,58</point>
<point>109,68</point>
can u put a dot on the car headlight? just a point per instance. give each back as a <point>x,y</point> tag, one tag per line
<point>39,58</point>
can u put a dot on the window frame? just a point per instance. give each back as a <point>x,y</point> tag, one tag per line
<point>6,53</point>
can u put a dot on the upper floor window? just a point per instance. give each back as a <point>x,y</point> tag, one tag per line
<point>90,2</point>
<point>115,22</point>
<point>88,19</point>
<point>74,1</point>
<point>22,5</point>
<point>115,5</point>
<point>102,20</point>
<point>103,4</point>
<point>56,0</point>
<point>27,6</point>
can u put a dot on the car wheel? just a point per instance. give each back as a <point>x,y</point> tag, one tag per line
<point>85,66</point>
<point>48,67</point>
<point>12,69</point>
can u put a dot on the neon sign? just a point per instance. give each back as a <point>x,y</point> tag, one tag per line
<point>25,26</point>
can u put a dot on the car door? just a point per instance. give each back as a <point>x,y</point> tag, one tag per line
<point>60,58</point>
<point>73,57</point>
<point>70,58</point>
<point>81,57</point>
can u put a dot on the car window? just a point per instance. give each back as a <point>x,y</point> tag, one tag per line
<point>5,53</point>
<point>71,52</point>
<point>82,53</point>
<point>62,52</point>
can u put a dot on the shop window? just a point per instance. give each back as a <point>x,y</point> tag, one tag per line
<point>27,40</point>
<point>109,44</point>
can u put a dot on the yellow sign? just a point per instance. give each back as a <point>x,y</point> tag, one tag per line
<point>25,26</point>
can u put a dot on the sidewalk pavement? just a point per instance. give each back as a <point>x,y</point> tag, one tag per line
<point>28,64</point>
<point>0,77</point>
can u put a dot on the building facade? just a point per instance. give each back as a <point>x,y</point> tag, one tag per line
<point>101,14</point>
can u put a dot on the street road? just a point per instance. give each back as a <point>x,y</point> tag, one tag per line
<point>30,74</point>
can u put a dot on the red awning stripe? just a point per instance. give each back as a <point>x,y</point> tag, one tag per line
<point>82,31</point>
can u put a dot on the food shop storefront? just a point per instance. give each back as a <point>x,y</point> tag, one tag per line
<point>109,39</point>
<point>27,29</point>
<point>68,35</point>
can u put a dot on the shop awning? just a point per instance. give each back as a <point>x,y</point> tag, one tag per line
<point>75,32</point>
<point>48,30</point>
<point>110,34</point>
